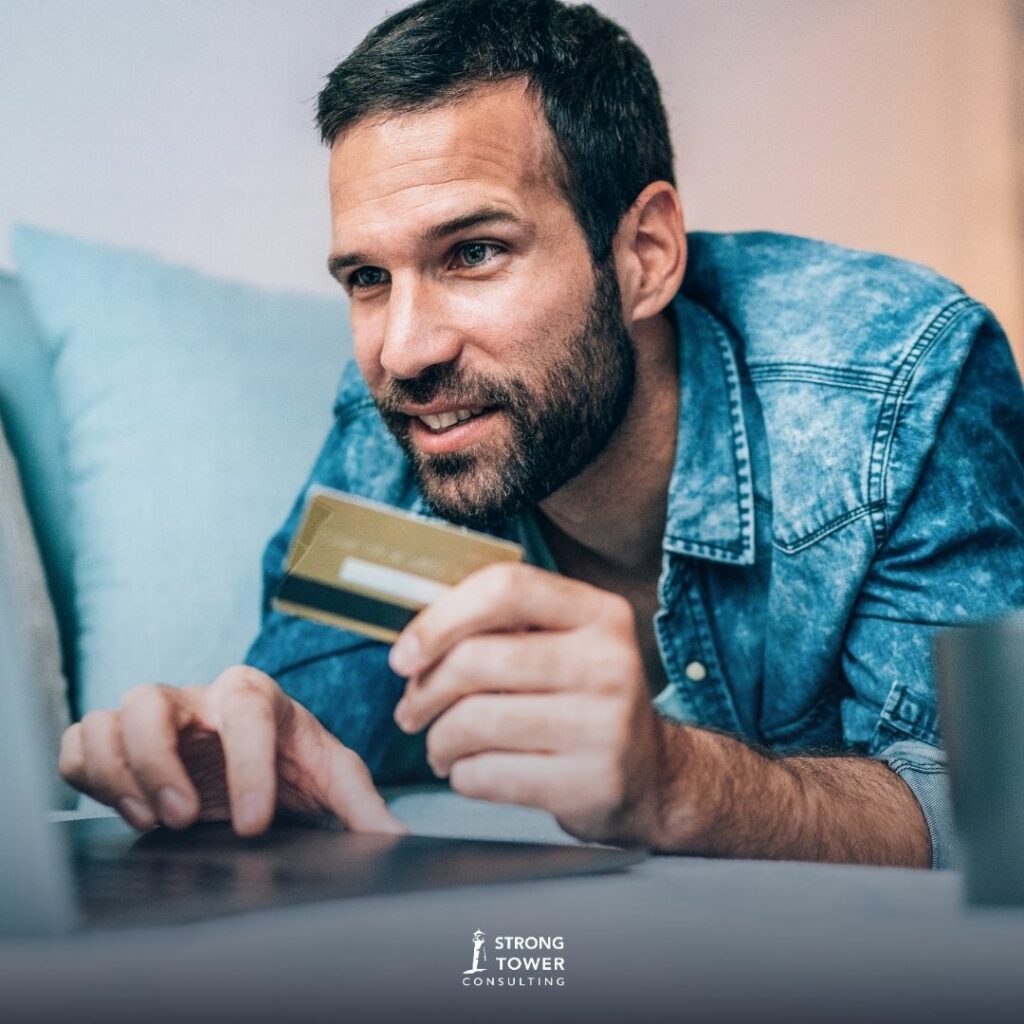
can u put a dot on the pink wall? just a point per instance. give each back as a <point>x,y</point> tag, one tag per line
<point>874,123</point>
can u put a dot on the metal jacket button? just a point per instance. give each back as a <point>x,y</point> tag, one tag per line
<point>696,671</point>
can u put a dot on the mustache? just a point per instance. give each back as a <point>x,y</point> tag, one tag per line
<point>442,383</point>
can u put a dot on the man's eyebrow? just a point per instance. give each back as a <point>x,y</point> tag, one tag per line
<point>484,215</point>
<point>337,262</point>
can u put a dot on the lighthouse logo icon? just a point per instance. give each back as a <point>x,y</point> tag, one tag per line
<point>479,953</point>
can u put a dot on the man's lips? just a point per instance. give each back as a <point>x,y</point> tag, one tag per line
<point>453,437</point>
<point>443,418</point>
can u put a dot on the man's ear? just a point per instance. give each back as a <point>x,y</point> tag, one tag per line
<point>650,251</point>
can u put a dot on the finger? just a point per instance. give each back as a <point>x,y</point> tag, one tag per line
<point>531,780</point>
<point>344,784</point>
<point>501,597</point>
<point>151,718</point>
<point>106,769</point>
<point>509,722</point>
<point>520,662</point>
<point>246,710</point>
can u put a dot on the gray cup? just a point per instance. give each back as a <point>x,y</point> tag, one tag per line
<point>979,671</point>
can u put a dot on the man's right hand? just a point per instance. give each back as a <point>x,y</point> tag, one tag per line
<point>237,749</point>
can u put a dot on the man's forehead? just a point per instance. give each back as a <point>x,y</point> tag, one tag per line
<point>496,138</point>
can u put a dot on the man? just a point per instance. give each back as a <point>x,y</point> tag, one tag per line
<point>764,468</point>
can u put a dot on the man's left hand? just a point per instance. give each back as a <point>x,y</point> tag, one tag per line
<point>534,690</point>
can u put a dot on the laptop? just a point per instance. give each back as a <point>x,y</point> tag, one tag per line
<point>57,877</point>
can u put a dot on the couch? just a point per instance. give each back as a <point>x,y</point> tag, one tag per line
<point>162,423</point>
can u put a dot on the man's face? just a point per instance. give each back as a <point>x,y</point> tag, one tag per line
<point>496,354</point>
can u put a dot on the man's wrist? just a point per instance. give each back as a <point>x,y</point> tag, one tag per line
<point>678,818</point>
<point>707,776</point>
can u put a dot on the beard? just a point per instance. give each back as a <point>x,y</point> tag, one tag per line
<point>557,426</point>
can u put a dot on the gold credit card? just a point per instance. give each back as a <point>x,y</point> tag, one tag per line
<point>363,566</point>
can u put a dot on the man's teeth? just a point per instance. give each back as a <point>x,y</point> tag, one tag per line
<point>444,420</point>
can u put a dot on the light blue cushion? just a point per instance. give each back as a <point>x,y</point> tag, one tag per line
<point>193,409</point>
<point>29,413</point>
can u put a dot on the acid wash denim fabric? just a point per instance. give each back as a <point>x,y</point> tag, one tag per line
<point>849,476</point>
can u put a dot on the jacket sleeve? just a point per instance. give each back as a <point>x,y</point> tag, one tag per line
<point>341,677</point>
<point>953,553</point>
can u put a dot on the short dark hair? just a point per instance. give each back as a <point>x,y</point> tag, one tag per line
<point>594,84</point>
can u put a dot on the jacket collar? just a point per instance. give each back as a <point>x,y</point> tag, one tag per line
<point>711,496</point>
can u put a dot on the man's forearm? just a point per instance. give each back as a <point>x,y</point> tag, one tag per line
<point>724,799</point>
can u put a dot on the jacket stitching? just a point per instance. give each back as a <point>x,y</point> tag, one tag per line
<point>818,374</point>
<point>741,457</point>
<point>895,720</point>
<point>705,549</point>
<point>892,406</point>
<point>901,764</point>
<point>792,547</point>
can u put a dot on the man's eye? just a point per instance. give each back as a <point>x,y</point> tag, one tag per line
<point>367,277</point>
<point>474,254</point>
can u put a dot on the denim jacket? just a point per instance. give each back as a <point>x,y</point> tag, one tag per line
<point>849,477</point>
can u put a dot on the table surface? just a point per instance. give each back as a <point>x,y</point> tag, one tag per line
<point>673,938</point>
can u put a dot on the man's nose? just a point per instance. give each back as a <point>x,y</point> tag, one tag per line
<point>416,332</point>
